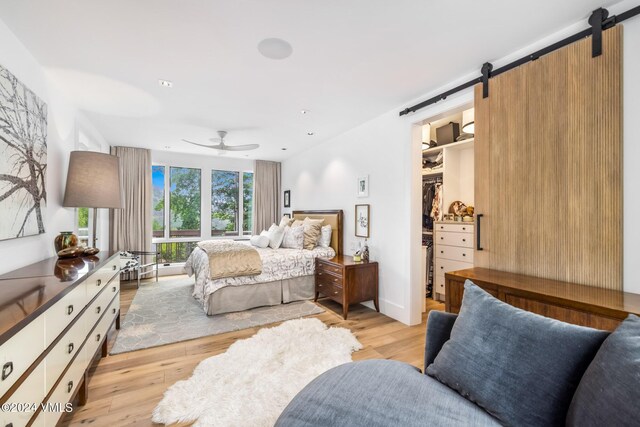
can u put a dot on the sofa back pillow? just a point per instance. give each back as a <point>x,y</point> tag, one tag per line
<point>293,238</point>
<point>609,392</point>
<point>521,367</point>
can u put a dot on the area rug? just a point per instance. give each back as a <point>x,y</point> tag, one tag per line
<point>165,312</point>
<point>254,380</point>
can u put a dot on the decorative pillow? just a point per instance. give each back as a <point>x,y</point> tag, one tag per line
<point>311,234</point>
<point>324,240</point>
<point>261,241</point>
<point>276,234</point>
<point>293,238</point>
<point>297,223</point>
<point>521,367</point>
<point>286,221</point>
<point>313,221</point>
<point>609,391</point>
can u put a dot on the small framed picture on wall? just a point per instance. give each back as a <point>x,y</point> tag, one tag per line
<point>287,199</point>
<point>362,220</point>
<point>363,186</point>
<point>288,215</point>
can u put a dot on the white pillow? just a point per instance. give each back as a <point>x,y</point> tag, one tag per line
<point>261,241</point>
<point>276,234</point>
<point>324,240</point>
<point>293,237</point>
<point>286,221</point>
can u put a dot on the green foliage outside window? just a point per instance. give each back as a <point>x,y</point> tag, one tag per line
<point>184,202</point>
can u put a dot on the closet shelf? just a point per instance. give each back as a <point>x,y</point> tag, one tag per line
<point>433,173</point>
<point>438,148</point>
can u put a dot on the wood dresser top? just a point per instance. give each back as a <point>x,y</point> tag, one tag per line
<point>569,292</point>
<point>345,260</point>
<point>27,292</point>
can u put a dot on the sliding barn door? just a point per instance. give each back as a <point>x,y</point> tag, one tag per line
<point>548,166</point>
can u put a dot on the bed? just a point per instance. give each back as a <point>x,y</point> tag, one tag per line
<point>287,274</point>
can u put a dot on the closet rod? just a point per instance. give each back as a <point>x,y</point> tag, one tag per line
<point>596,27</point>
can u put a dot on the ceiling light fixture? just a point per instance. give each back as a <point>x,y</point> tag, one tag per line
<point>304,111</point>
<point>167,147</point>
<point>165,83</point>
<point>283,149</point>
<point>274,48</point>
<point>310,133</point>
<point>467,121</point>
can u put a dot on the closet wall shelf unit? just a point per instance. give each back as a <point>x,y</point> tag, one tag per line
<point>438,148</point>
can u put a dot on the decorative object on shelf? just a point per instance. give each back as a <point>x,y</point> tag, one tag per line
<point>363,186</point>
<point>458,208</point>
<point>362,220</point>
<point>448,133</point>
<point>448,217</point>
<point>364,253</point>
<point>470,210</point>
<point>93,181</point>
<point>71,252</point>
<point>287,199</point>
<point>90,251</point>
<point>23,163</point>
<point>64,240</point>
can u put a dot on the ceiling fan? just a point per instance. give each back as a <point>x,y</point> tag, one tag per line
<point>224,147</point>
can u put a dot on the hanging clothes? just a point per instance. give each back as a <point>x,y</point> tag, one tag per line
<point>428,195</point>
<point>436,208</point>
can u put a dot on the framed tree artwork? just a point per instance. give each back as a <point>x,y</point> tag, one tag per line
<point>362,221</point>
<point>23,159</point>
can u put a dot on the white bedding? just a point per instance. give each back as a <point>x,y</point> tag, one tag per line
<point>277,264</point>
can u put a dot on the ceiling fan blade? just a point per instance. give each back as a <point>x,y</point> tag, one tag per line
<point>218,140</point>
<point>201,145</point>
<point>241,147</point>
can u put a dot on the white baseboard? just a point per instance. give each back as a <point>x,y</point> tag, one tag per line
<point>391,309</point>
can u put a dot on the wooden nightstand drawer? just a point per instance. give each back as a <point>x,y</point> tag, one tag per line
<point>328,279</point>
<point>330,290</point>
<point>324,268</point>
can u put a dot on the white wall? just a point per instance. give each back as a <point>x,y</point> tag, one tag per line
<point>324,177</point>
<point>64,123</point>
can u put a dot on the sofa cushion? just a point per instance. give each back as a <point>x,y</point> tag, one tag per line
<point>521,367</point>
<point>609,393</point>
<point>377,393</point>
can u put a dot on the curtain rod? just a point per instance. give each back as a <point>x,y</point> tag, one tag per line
<point>598,20</point>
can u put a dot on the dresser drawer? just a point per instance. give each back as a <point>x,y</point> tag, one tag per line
<point>447,265</point>
<point>99,305</point>
<point>95,338</point>
<point>31,391</point>
<point>62,353</point>
<point>456,228</point>
<point>454,253</point>
<point>328,268</point>
<point>20,351</point>
<point>98,281</point>
<point>439,284</point>
<point>454,239</point>
<point>65,389</point>
<point>64,311</point>
<point>330,290</point>
<point>324,278</point>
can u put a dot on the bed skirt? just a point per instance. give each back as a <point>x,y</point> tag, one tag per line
<point>240,298</point>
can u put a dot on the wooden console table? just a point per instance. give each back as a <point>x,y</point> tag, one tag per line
<point>578,304</point>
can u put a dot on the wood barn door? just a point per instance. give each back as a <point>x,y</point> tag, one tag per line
<point>548,166</point>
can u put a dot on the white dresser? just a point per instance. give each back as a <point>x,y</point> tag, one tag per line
<point>54,321</point>
<point>453,250</point>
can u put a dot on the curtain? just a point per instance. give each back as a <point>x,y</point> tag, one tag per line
<point>130,227</point>
<point>266,195</point>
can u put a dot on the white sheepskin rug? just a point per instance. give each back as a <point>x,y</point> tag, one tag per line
<point>254,380</point>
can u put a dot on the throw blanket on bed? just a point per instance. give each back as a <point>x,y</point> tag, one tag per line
<point>231,259</point>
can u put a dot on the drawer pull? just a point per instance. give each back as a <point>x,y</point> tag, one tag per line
<point>7,369</point>
<point>320,273</point>
<point>98,282</point>
<point>113,289</point>
<point>464,228</point>
<point>442,238</point>
<point>70,310</point>
<point>335,280</point>
<point>464,254</point>
<point>464,240</point>
<point>98,309</point>
<point>114,310</point>
<point>319,285</point>
<point>69,386</point>
<point>70,348</point>
<point>441,267</point>
<point>335,293</point>
<point>441,252</point>
<point>114,268</point>
<point>98,337</point>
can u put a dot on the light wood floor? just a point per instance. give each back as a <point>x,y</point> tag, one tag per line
<point>124,389</point>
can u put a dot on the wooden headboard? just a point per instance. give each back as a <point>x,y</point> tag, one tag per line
<point>331,217</point>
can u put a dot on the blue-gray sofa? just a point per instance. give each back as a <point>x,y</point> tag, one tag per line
<point>491,365</point>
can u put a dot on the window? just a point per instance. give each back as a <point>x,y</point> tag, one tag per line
<point>184,202</point>
<point>83,226</point>
<point>247,202</point>
<point>225,193</point>
<point>157,178</point>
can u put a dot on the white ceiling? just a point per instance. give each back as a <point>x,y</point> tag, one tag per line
<point>352,60</point>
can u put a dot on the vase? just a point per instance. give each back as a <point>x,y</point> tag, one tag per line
<point>64,240</point>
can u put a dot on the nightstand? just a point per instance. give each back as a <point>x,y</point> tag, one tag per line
<point>347,282</point>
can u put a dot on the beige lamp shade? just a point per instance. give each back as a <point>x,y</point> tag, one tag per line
<point>93,181</point>
<point>467,121</point>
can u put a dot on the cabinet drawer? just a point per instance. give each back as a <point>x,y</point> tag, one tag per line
<point>60,355</point>
<point>95,310</point>
<point>456,228</point>
<point>64,311</point>
<point>65,389</point>
<point>454,253</point>
<point>455,239</point>
<point>329,268</point>
<point>30,391</point>
<point>95,338</point>
<point>324,278</point>
<point>330,290</point>
<point>98,281</point>
<point>439,285</point>
<point>20,351</point>
<point>447,265</point>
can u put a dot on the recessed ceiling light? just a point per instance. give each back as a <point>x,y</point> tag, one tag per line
<point>304,111</point>
<point>274,48</point>
<point>283,149</point>
<point>165,83</point>
<point>310,133</point>
<point>167,146</point>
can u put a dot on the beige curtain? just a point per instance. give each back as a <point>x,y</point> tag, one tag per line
<point>130,227</point>
<point>266,195</point>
